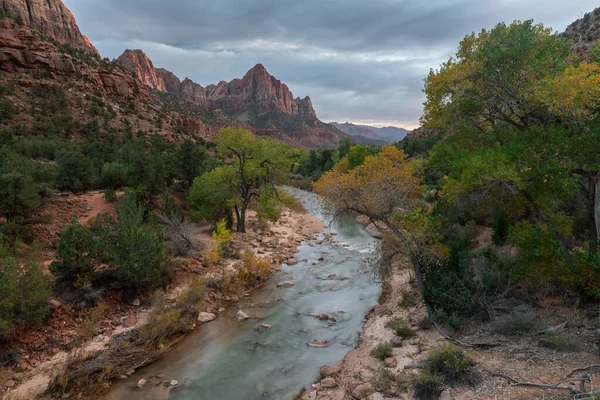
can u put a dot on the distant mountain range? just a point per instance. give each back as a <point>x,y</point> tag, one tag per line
<point>388,134</point>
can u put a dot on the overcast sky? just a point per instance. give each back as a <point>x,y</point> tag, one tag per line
<point>361,61</point>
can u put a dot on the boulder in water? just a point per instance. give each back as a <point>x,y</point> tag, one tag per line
<point>285,284</point>
<point>141,383</point>
<point>242,316</point>
<point>319,344</point>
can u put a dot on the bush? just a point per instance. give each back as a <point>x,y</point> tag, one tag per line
<point>401,328</point>
<point>382,350</point>
<point>408,300</point>
<point>388,383</point>
<point>517,323</point>
<point>427,386</point>
<point>255,270</point>
<point>75,252</point>
<point>114,175</point>
<point>24,295</point>
<point>188,300</point>
<point>449,362</point>
<point>110,195</point>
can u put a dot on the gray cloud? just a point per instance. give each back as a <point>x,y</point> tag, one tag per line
<point>359,60</point>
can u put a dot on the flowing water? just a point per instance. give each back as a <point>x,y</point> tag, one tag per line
<point>231,360</point>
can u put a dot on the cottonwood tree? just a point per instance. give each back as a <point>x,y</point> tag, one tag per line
<point>386,188</point>
<point>517,111</point>
<point>253,168</point>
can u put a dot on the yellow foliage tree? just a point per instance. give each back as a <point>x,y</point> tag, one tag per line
<point>386,188</point>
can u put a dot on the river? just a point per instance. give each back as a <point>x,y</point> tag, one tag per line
<point>228,359</point>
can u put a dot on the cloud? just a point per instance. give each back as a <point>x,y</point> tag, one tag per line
<point>358,60</point>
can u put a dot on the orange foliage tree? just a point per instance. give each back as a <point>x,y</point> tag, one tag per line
<point>386,188</point>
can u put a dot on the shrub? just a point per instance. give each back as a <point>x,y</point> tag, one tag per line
<point>75,252</point>
<point>177,231</point>
<point>188,299</point>
<point>110,195</point>
<point>382,350</point>
<point>448,361</point>
<point>7,110</point>
<point>255,270</point>
<point>408,300</point>
<point>401,328</point>
<point>388,383</point>
<point>517,323</point>
<point>558,342</point>
<point>87,329</point>
<point>24,294</point>
<point>427,386</point>
<point>133,248</point>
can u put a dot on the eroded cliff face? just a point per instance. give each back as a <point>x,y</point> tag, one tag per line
<point>139,64</point>
<point>258,91</point>
<point>51,18</point>
<point>22,49</point>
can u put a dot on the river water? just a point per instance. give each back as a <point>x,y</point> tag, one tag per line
<point>231,360</point>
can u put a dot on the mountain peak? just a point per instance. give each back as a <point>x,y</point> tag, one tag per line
<point>139,64</point>
<point>51,18</point>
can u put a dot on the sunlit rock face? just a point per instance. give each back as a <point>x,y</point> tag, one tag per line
<point>51,18</point>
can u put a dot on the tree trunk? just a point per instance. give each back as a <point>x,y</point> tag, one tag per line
<point>420,281</point>
<point>595,214</point>
<point>241,226</point>
<point>238,217</point>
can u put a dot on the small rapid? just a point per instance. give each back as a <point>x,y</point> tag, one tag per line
<point>228,359</point>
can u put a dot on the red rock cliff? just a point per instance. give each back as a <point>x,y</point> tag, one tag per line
<point>138,62</point>
<point>51,18</point>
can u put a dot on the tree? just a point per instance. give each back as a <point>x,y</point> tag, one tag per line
<point>212,195</point>
<point>494,78</point>
<point>18,196</point>
<point>75,251</point>
<point>75,171</point>
<point>256,165</point>
<point>24,294</point>
<point>385,189</point>
<point>192,160</point>
<point>133,248</point>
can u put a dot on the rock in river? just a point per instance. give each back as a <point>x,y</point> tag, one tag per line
<point>206,317</point>
<point>319,344</point>
<point>241,315</point>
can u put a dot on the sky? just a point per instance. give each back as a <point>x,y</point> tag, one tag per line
<point>361,61</point>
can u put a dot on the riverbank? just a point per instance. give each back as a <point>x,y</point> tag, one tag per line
<point>275,244</point>
<point>561,351</point>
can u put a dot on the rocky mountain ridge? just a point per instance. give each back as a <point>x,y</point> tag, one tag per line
<point>388,134</point>
<point>257,99</point>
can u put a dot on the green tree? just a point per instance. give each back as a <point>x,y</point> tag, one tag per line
<point>74,171</point>
<point>256,164</point>
<point>75,250</point>
<point>18,195</point>
<point>24,294</point>
<point>212,195</point>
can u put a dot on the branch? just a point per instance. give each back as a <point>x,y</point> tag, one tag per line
<point>558,385</point>
<point>583,369</point>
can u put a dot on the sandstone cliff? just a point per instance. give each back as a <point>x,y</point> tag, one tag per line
<point>140,65</point>
<point>51,18</point>
<point>258,99</point>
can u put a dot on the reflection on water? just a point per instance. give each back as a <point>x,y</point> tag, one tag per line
<point>231,360</point>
